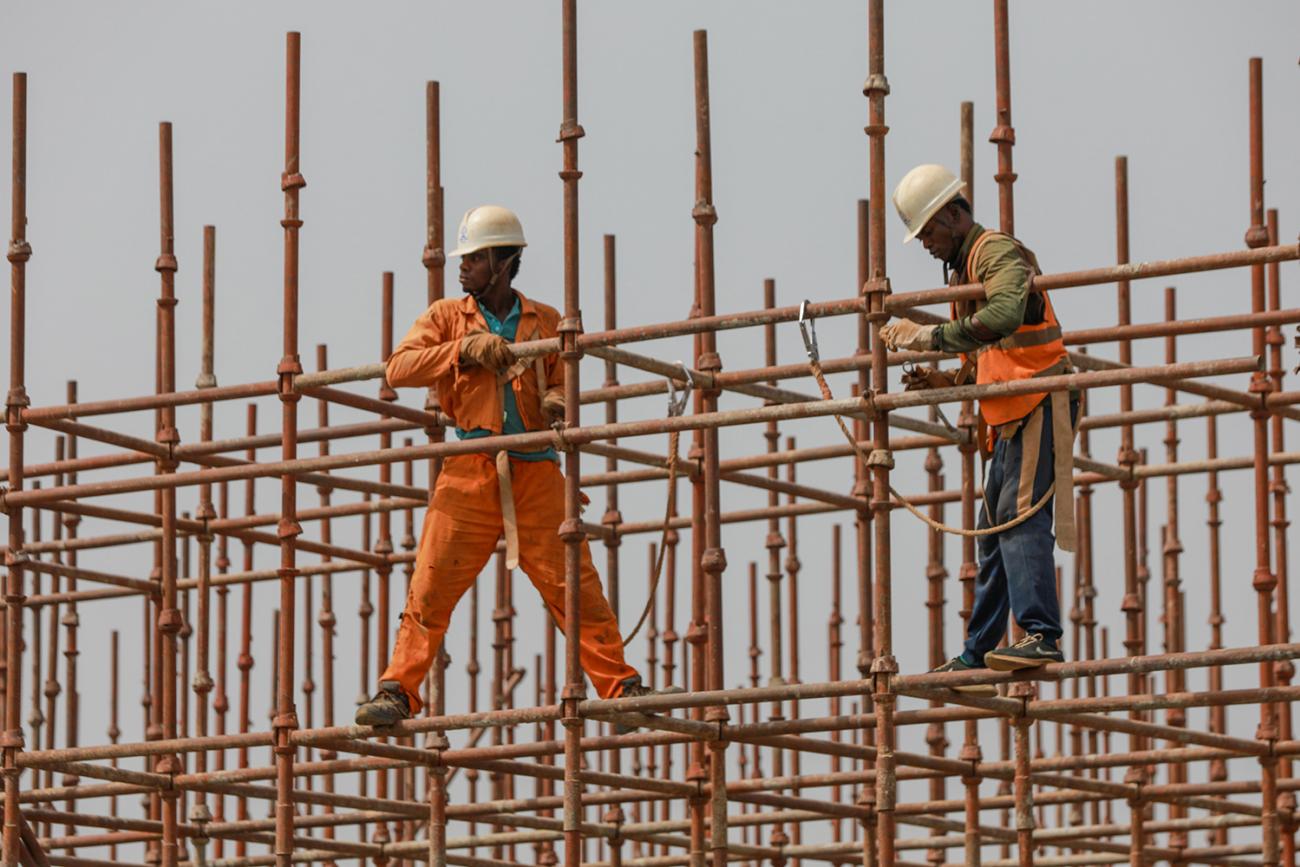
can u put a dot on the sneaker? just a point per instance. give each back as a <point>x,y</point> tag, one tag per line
<point>634,688</point>
<point>959,664</point>
<point>390,705</point>
<point>1029,652</point>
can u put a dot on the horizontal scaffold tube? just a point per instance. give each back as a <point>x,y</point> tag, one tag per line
<point>893,302</point>
<point>674,701</point>
<point>577,436</point>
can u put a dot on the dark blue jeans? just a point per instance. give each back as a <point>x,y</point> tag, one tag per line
<point>1017,571</point>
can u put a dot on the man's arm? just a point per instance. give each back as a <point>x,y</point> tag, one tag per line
<point>553,388</point>
<point>1005,274</point>
<point>424,356</point>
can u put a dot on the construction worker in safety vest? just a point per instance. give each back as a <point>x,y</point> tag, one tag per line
<point>462,348</point>
<point>1011,334</point>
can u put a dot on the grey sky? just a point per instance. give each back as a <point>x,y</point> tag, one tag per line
<point>1163,82</point>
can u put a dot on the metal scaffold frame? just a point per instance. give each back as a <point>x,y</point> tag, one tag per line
<point>713,774</point>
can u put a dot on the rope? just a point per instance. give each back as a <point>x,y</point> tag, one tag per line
<point>663,546</point>
<point>676,406</point>
<point>815,366</point>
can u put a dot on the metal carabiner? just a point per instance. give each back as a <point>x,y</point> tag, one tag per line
<point>677,399</point>
<point>911,369</point>
<point>808,330</point>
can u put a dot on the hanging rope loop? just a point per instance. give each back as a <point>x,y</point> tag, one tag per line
<point>884,458</point>
<point>676,407</point>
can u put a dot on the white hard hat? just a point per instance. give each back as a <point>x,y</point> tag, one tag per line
<point>921,193</point>
<point>488,226</point>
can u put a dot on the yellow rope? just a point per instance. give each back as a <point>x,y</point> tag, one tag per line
<point>817,373</point>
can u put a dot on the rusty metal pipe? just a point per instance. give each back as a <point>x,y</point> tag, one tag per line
<point>286,721</point>
<point>570,354</point>
<point>713,558</point>
<point>19,251</point>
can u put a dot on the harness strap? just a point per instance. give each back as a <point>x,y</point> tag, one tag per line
<point>509,518</point>
<point>1026,339</point>
<point>1063,471</point>
<point>1061,367</point>
<point>509,521</point>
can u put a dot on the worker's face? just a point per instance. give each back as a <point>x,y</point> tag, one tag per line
<point>939,236</point>
<point>475,272</point>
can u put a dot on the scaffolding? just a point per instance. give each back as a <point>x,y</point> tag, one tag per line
<point>713,774</point>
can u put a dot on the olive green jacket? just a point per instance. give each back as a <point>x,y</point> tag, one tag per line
<point>1005,272</point>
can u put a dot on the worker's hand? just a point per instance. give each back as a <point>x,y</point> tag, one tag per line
<point>917,378</point>
<point>485,349</point>
<point>906,334</point>
<point>553,405</point>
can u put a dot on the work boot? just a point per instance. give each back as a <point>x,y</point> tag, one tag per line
<point>390,705</point>
<point>957,663</point>
<point>633,688</point>
<point>1029,652</point>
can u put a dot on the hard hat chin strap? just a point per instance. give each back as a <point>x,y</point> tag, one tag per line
<point>496,268</point>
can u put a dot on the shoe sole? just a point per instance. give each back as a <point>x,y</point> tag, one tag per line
<point>378,724</point>
<point>1014,663</point>
<point>623,729</point>
<point>629,728</point>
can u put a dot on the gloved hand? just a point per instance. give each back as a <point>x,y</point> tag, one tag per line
<point>553,405</point>
<point>485,349</point>
<point>906,334</point>
<point>917,378</point>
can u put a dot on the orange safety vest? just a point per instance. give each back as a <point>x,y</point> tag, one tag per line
<point>1032,350</point>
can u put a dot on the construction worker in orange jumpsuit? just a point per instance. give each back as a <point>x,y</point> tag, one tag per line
<point>1012,334</point>
<point>462,349</point>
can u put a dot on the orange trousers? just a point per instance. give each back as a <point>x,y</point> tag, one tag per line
<point>461,530</point>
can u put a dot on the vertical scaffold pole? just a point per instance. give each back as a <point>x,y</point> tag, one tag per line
<point>1004,136</point>
<point>384,541</point>
<point>221,699</point>
<point>1172,549</point>
<point>1285,670</point>
<point>571,530</point>
<point>327,619</point>
<point>834,661</point>
<point>968,424</point>
<point>72,709</point>
<point>1264,579</point>
<point>1128,458</point>
<point>169,617</point>
<point>286,719</point>
<point>713,558</point>
<point>15,401</point>
<point>774,542</point>
<point>884,666</point>
<point>202,686</point>
<point>611,520</point>
<point>862,526</point>
<point>435,260</point>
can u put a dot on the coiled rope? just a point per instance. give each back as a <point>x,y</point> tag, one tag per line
<point>881,457</point>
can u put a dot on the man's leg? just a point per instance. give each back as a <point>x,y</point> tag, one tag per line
<point>539,505</point>
<point>988,617</point>
<point>1028,550</point>
<point>461,530</point>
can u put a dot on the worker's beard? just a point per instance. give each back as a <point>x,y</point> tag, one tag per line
<point>475,292</point>
<point>954,259</point>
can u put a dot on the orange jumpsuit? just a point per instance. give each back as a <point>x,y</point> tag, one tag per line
<point>464,522</point>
